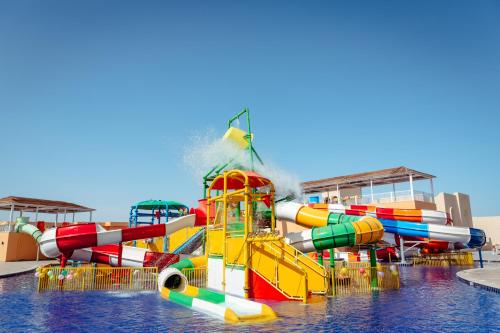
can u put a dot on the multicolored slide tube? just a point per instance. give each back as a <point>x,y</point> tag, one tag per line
<point>173,285</point>
<point>65,240</point>
<point>130,256</point>
<point>230,308</point>
<point>471,237</point>
<point>410,215</point>
<point>329,230</point>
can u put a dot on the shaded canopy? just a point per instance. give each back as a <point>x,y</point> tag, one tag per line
<point>159,204</point>
<point>41,205</point>
<point>380,177</point>
<point>236,181</point>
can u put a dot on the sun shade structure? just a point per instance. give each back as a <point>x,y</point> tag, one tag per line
<point>237,181</point>
<point>41,205</point>
<point>157,204</point>
<point>373,178</point>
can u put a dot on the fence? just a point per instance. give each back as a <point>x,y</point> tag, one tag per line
<point>355,280</point>
<point>196,277</point>
<point>52,278</point>
<point>445,259</point>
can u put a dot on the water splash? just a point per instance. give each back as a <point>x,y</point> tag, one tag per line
<point>207,150</point>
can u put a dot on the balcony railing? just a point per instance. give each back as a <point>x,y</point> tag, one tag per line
<point>386,197</point>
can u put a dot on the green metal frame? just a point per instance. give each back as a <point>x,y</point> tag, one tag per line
<point>216,170</point>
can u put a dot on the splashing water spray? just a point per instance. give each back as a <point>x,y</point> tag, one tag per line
<point>236,150</point>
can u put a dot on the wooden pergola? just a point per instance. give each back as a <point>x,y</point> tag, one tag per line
<point>368,179</point>
<point>42,206</point>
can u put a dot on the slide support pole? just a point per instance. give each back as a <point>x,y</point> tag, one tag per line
<point>373,266</point>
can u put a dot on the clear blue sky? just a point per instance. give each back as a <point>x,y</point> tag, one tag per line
<point>98,98</point>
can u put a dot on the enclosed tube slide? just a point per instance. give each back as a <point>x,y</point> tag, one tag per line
<point>329,230</point>
<point>173,286</point>
<point>410,215</point>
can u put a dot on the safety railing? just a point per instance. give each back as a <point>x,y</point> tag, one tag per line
<point>445,259</point>
<point>196,276</point>
<point>278,280</point>
<point>354,280</point>
<point>385,197</point>
<point>52,278</point>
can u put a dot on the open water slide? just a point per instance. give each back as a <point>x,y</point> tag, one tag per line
<point>90,242</point>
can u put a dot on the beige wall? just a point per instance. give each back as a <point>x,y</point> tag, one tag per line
<point>491,226</point>
<point>408,205</point>
<point>457,205</point>
<point>347,192</point>
<point>14,247</point>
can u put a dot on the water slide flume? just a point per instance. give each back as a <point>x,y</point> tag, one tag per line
<point>85,241</point>
<point>410,215</point>
<point>173,286</point>
<point>328,230</point>
<point>470,237</point>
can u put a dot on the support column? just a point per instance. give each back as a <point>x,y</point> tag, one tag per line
<point>394,191</point>
<point>73,218</point>
<point>371,190</point>
<point>320,257</point>
<point>373,268</point>
<point>432,191</point>
<point>11,217</point>
<point>411,188</point>
<point>64,218</point>
<point>480,258</point>
<point>90,216</point>
<point>402,249</point>
<point>332,270</point>
<point>36,215</point>
<point>57,218</point>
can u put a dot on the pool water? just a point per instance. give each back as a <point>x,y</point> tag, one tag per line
<point>431,299</point>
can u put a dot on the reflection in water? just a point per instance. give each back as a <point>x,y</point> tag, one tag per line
<point>431,299</point>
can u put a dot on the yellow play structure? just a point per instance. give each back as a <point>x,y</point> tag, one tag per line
<point>245,255</point>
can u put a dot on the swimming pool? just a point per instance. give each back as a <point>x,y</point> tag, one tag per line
<point>431,300</point>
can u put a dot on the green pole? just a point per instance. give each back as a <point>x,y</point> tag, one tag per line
<point>249,139</point>
<point>320,258</point>
<point>237,212</point>
<point>332,271</point>
<point>373,264</point>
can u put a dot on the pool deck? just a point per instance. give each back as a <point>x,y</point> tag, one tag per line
<point>12,268</point>
<point>486,278</point>
<point>488,256</point>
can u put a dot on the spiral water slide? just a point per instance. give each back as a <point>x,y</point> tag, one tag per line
<point>328,230</point>
<point>90,242</point>
<point>408,223</point>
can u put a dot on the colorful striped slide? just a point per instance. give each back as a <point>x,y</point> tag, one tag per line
<point>328,230</point>
<point>173,286</point>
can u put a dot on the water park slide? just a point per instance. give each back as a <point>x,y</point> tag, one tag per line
<point>471,237</point>
<point>130,256</point>
<point>329,230</point>
<point>65,240</point>
<point>191,244</point>
<point>173,286</point>
<point>410,215</point>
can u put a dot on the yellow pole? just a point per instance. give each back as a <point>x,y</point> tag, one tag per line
<point>245,249</point>
<point>273,219</point>
<point>224,231</point>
